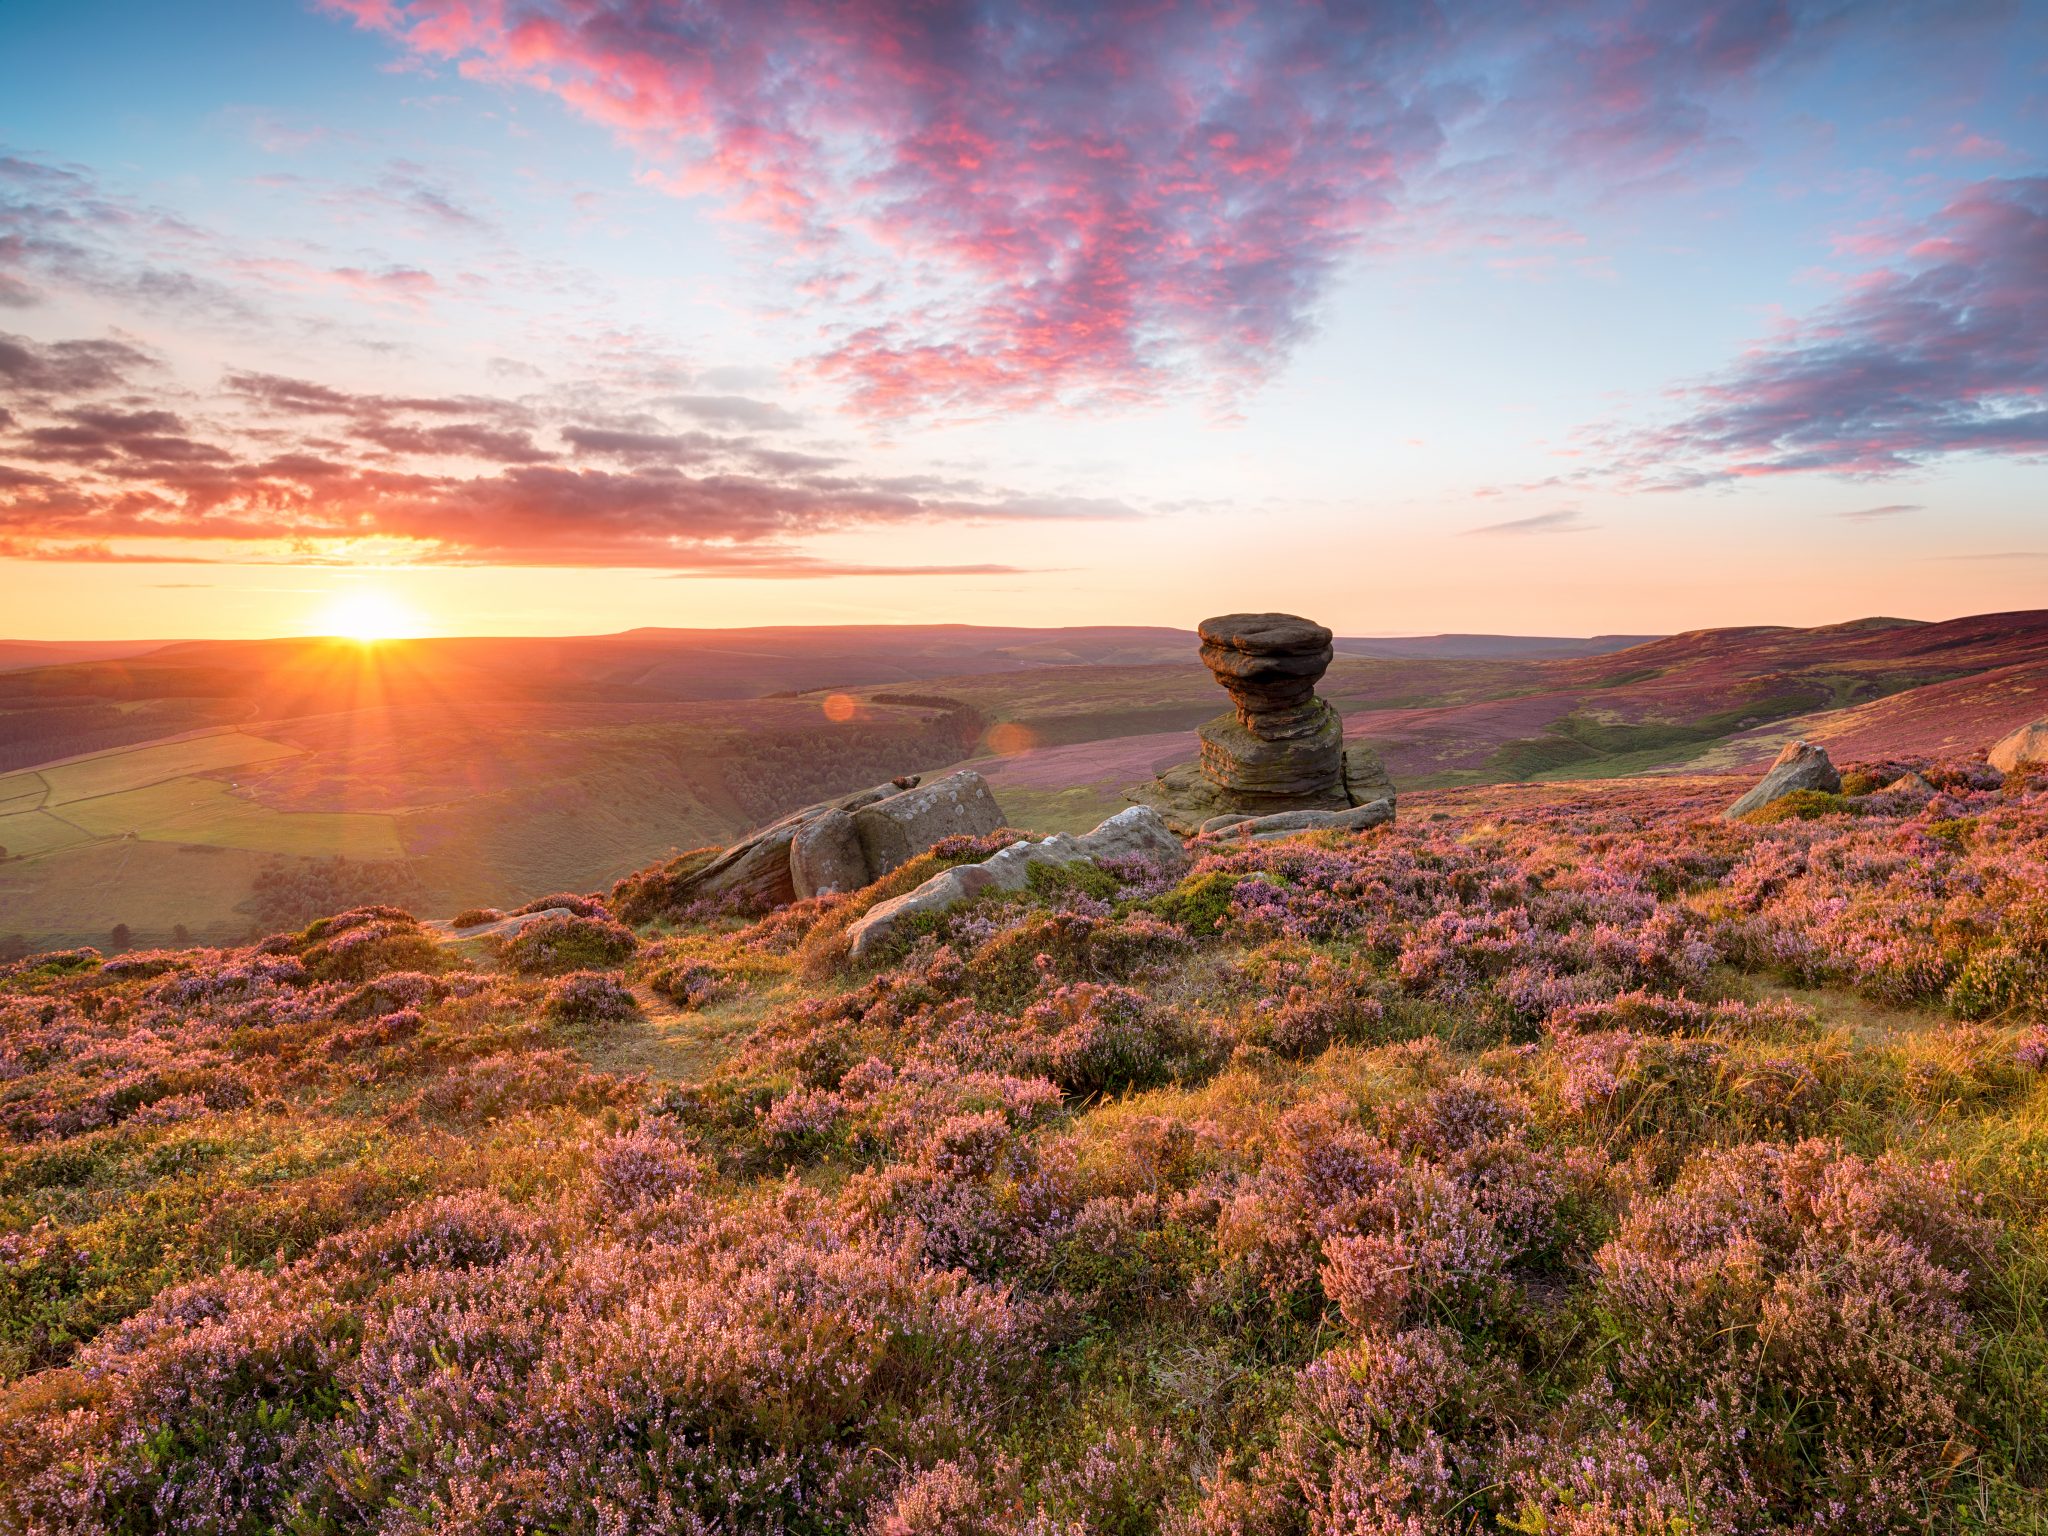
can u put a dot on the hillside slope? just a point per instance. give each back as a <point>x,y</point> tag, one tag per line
<point>451,772</point>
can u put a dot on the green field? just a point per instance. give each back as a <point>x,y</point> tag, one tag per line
<point>1076,810</point>
<point>135,835</point>
<point>21,792</point>
<point>27,832</point>
<point>207,812</point>
<point>75,895</point>
<point>109,773</point>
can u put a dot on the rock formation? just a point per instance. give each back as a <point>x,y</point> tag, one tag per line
<point>895,830</point>
<point>843,844</point>
<point>1280,740</point>
<point>1800,766</point>
<point>1138,832</point>
<point>2027,746</point>
<point>1280,749</point>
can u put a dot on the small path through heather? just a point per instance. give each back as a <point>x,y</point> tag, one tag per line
<point>674,1045</point>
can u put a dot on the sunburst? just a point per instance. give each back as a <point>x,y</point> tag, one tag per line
<point>367,616</point>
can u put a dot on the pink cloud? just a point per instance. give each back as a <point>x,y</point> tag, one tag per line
<point>1943,352</point>
<point>391,285</point>
<point>98,461</point>
<point>1045,202</point>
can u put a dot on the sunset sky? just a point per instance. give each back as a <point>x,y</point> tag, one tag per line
<point>518,316</point>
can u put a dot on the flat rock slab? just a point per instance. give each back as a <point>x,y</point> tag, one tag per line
<point>1186,798</point>
<point>501,928</point>
<point>1377,813</point>
<point>1136,832</point>
<point>1800,766</point>
<point>2024,747</point>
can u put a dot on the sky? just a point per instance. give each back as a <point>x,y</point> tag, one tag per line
<point>569,316</point>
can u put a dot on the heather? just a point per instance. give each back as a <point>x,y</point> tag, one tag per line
<point>1562,1159</point>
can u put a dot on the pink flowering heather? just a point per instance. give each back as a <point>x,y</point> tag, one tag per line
<point>590,997</point>
<point>1775,1277</point>
<point>1571,1163</point>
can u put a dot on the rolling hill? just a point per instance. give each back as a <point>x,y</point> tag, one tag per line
<point>219,786</point>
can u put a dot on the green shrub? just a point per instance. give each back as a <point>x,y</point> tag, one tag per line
<point>54,963</point>
<point>1996,979</point>
<point>1800,805</point>
<point>1049,880</point>
<point>1198,903</point>
<point>1953,833</point>
<point>372,948</point>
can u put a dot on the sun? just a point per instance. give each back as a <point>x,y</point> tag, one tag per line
<point>367,616</point>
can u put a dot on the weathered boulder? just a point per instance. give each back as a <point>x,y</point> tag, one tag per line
<point>1138,831</point>
<point>1365,776</point>
<point>2027,746</point>
<point>753,872</point>
<point>944,891</point>
<point>895,830</point>
<point>1800,766</point>
<point>757,870</point>
<point>1009,869</point>
<point>826,856</point>
<point>1285,823</point>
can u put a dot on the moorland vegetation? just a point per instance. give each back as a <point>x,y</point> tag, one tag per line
<point>1563,1159</point>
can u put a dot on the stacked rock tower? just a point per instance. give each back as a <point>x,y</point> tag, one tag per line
<point>1280,748</point>
<point>1280,741</point>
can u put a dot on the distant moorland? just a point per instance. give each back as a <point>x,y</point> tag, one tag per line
<point>208,790</point>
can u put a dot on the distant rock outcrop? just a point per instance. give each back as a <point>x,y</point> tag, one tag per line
<point>1800,766</point>
<point>2027,746</point>
<point>1139,832</point>
<point>844,844</point>
<point>1281,748</point>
